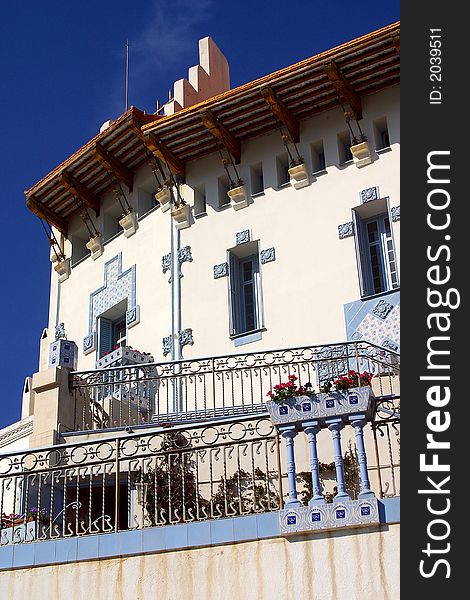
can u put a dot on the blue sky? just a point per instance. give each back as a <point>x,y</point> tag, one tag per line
<point>62,67</point>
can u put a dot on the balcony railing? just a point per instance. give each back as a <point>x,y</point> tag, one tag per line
<point>215,387</point>
<point>179,474</point>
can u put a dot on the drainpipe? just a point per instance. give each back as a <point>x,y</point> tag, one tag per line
<point>176,349</point>
<point>172,279</point>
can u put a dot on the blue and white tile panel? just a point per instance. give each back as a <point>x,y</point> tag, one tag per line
<point>351,513</point>
<point>118,286</point>
<point>375,320</point>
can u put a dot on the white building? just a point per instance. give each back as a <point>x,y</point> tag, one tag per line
<point>260,222</point>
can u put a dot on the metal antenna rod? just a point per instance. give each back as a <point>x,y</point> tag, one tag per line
<point>127,74</point>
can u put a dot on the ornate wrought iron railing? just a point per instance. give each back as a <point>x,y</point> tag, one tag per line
<point>159,478</point>
<point>221,386</point>
<point>176,474</point>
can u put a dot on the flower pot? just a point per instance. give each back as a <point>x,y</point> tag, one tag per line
<point>299,176</point>
<point>163,197</point>
<point>322,406</point>
<point>292,410</point>
<point>238,198</point>
<point>95,246</point>
<point>129,224</point>
<point>361,154</point>
<point>342,403</point>
<point>123,356</point>
<point>182,215</point>
<point>62,268</point>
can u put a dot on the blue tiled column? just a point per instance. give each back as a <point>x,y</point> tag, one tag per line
<point>358,422</point>
<point>335,426</point>
<point>311,428</point>
<point>289,433</point>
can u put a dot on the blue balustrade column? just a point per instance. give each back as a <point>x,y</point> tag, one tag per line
<point>311,428</point>
<point>335,426</point>
<point>289,433</point>
<point>358,422</point>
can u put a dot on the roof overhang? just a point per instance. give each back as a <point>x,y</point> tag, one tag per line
<point>341,75</point>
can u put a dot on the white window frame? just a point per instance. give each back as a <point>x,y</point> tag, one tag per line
<point>237,308</point>
<point>378,212</point>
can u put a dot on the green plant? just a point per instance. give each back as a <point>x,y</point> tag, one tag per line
<point>244,492</point>
<point>171,484</point>
<point>289,389</point>
<point>344,382</point>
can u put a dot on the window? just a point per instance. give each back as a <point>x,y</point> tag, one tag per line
<point>199,201</point>
<point>223,188</point>
<point>256,179</point>
<point>318,157</point>
<point>111,225</point>
<point>377,260</point>
<point>79,249</point>
<point>344,147</point>
<point>245,290</point>
<point>145,201</point>
<point>282,167</point>
<point>382,138</point>
<point>112,330</point>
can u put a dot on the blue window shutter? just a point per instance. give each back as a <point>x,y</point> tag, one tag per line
<point>105,341</point>
<point>361,254</point>
<point>234,293</point>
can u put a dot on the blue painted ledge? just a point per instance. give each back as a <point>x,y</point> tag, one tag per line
<point>157,539</point>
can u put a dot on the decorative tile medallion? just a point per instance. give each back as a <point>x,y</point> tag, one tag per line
<point>369,194</point>
<point>345,230</point>
<point>242,237</point>
<point>59,331</point>
<point>167,345</point>
<point>166,262</point>
<point>184,255</point>
<point>268,255</point>
<point>186,337</point>
<point>220,270</point>
<point>395,212</point>
<point>382,308</point>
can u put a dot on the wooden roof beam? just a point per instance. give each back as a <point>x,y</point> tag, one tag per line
<point>281,111</point>
<point>163,153</point>
<point>74,187</point>
<point>220,132</point>
<point>344,88</point>
<point>45,213</point>
<point>112,164</point>
<point>396,42</point>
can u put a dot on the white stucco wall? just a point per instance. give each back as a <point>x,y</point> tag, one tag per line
<point>361,565</point>
<point>304,289</point>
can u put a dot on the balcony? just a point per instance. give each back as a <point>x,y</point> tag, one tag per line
<point>213,454</point>
<point>211,388</point>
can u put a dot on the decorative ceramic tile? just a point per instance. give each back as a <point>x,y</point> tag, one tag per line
<point>184,255</point>
<point>166,262</point>
<point>369,194</point>
<point>395,211</point>
<point>167,345</point>
<point>186,337</point>
<point>242,237</point>
<point>118,286</point>
<point>345,230</point>
<point>268,255</point>
<point>321,517</point>
<point>220,270</point>
<point>382,308</point>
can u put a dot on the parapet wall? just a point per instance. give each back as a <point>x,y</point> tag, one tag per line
<point>357,564</point>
